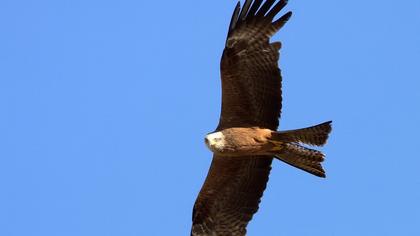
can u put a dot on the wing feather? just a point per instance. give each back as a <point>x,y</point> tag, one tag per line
<point>254,8</point>
<point>230,195</point>
<point>245,9</point>
<point>276,9</point>
<point>234,19</point>
<point>265,7</point>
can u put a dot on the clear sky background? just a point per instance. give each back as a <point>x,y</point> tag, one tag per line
<point>104,106</point>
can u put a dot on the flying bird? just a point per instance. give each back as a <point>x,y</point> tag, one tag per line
<point>246,140</point>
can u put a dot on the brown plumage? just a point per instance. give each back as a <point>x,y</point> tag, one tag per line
<point>246,141</point>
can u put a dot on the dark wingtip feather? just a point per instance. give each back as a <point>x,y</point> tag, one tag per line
<point>254,8</point>
<point>276,9</point>
<point>235,15</point>
<point>282,20</point>
<point>245,9</point>
<point>265,7</point>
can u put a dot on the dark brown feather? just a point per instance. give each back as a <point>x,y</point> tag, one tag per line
<point>313,168</point>
<point>245,9</point>
<point>265,7</point>
<point>315,135</point>
<point>230,195</point>
<point>306,159</point>
<point>234,19</point>
<point>251,96</point>
<point>276,9</point>
<point>254,8</point>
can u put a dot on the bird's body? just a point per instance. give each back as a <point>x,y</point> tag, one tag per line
<point>246,139</point>
<point>239,141</point>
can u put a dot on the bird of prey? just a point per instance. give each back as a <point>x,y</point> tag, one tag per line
<point>246,139</point>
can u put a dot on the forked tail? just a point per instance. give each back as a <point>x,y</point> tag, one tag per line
<point>288,149</point>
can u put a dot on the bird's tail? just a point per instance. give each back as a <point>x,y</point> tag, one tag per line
<point>288,149</point>
<point>315,135</point>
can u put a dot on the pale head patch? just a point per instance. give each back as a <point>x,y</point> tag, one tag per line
<point>215,141</point>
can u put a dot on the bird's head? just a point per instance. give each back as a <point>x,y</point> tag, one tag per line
<point>215,141</point>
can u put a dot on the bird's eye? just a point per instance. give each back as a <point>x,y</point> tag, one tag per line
<point>217,139</point>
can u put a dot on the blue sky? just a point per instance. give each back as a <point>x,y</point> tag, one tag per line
<point>104,105</point>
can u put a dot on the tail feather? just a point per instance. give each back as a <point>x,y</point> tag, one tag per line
<point>307,155</point>
<point>287,148</point>
<point>315,135</point>
<point>306,159</point>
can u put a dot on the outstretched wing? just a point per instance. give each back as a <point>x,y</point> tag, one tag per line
<point>251,80</point>
<point>251,96</point>
<point>230,195</point>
